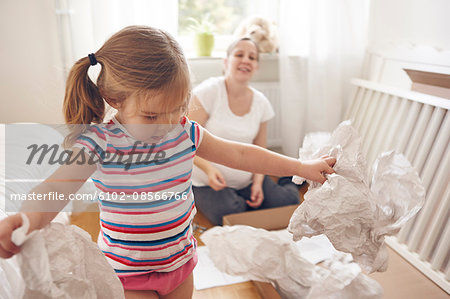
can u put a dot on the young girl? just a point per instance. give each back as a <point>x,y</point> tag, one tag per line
<point>144,159</point>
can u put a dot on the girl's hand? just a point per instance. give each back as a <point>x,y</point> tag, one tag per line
<point>315,170</point>
<point>7,226</point>
<point>256,196</point>
<point>215,179</point>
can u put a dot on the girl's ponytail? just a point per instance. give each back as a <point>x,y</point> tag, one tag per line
<point>83,103</point>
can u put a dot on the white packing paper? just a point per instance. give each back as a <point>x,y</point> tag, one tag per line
<point>61,261</point>
<point>354,215</point>
<point>315,249</point>
<point>206,275</point>
<point>261,255</point>
<point>344,145</point>
<point>12,284</point>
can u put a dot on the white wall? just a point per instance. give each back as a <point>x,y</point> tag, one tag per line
<point>412,34</point>
<point>422,22</point>
<point>31,76</point>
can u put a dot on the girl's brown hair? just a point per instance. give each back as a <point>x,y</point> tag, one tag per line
<point>138,60</point>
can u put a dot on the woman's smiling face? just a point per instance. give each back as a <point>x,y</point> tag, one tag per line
<point>242,62</point>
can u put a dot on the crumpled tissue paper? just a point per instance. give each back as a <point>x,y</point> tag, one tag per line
<point>12,285</point>
<point>354,215</point>
<point>61,261</point>
<point>258,254</point>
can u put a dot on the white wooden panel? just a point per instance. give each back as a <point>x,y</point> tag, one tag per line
<point>352,106</point>
<point>373,135</point>
<point>429,208</point>
<point>399,120</point>
<point>410,154</point>
<point>428,138</point>
<point>358,100</point>
<point>362,109</point>
<point>418,132</point>
<point>438,221</point>
<point>443,249</point>
<point>372,106</point>
<point>272,91</point>
<point>389,119</point>
<point>419,126</point>
<point>408,126</point>
<point>435,155</point>
<point>447,273</point>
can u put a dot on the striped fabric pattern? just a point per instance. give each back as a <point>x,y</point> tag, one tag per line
<point>146,206</point>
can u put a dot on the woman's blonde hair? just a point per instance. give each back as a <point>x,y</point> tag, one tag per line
<point>235,42</point>
<point>136,60</point>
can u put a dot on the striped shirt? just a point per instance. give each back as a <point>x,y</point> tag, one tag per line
<point>146,203</point>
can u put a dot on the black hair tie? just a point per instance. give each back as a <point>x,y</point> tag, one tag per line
<point>92,59</point>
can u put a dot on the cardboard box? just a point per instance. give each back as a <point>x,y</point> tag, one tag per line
<point>269,219</point>
<point>435,84</point>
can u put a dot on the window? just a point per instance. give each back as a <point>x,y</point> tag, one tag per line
<point>225,14</point>
<point>85,25</point>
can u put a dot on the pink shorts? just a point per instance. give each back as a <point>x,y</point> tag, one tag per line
<point>161,282</point>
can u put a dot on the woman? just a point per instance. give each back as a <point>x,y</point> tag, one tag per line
<point>229,108</point>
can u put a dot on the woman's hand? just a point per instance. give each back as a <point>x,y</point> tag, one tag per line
<point>7,226</point>
<point>215,179</point>
<point>316,169</point>
<point>256,196</point>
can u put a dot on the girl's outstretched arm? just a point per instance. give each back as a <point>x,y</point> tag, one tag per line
<point>256,159</point>
<point>66,180</point>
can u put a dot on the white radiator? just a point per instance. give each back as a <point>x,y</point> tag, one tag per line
<point>417,125</point>
<point>272,91</point>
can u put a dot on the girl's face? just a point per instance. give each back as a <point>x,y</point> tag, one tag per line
<point>242,62</point>
<point>149,119</point>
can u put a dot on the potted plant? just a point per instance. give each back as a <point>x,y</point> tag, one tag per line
<point>204,34</point>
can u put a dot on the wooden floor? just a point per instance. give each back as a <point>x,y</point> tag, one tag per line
<point>244,290</point>
<point>404,281</point>
<point>401,280</point>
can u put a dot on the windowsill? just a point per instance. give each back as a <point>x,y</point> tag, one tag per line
<point>220,47</point>
<point>221,55</point>
<point>212,57</point>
